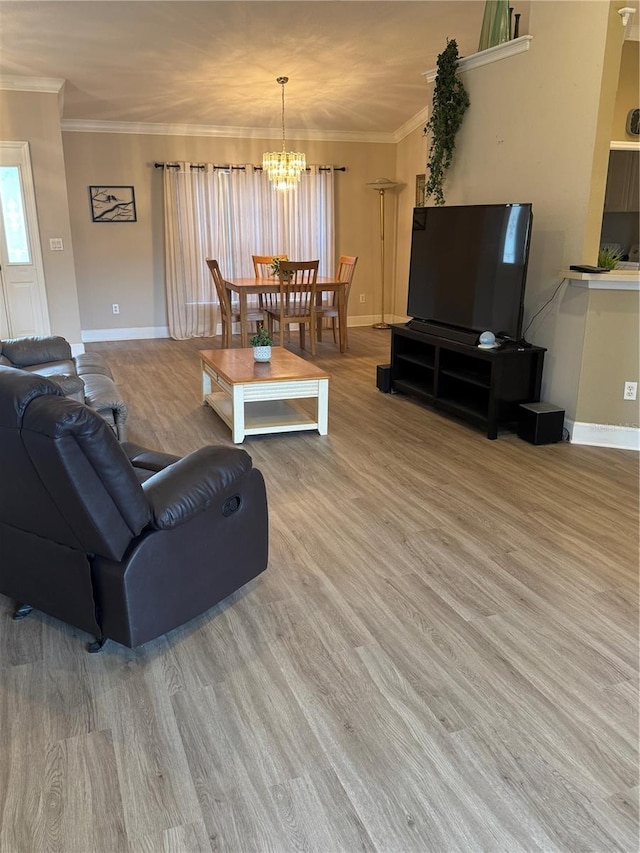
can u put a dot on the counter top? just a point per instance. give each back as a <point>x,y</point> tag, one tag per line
<point>614,280</point>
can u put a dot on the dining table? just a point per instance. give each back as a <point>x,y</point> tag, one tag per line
<point>246,287</point>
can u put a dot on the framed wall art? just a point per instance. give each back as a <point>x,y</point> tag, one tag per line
<point>420,182</point>
<point>112,204</point>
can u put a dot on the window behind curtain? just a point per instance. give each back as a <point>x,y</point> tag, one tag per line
<point>231,215</point>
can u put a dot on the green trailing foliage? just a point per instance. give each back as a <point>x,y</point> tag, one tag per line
<point>450,102</point>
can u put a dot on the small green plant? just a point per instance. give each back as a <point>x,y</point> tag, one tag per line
<point>450,102</point>
<point>608,258</point>
<point>262,338</point>
<point>274,266</point>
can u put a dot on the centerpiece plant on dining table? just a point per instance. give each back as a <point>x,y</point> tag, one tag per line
<point>274,267</point>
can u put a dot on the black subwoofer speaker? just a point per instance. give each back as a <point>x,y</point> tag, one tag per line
<point>383,378</point>
<point>540,423</point>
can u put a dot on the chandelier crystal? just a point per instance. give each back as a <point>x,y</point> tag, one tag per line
<point>284,167</point>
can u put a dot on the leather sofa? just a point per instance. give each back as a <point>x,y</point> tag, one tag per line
<point>120,541</point>
<point>86,377</point>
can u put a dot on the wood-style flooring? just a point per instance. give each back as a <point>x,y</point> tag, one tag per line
<point>442,655</point>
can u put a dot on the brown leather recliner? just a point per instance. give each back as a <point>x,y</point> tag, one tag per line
<point>122,542</point>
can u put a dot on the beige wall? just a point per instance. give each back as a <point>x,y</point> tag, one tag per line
<point>34,118</point>
<point>124,263</point>
<point>611,357</point>
<point>628,97</point>
<point>611,316</point>
<point>411,161</point>
<point>534,133</point>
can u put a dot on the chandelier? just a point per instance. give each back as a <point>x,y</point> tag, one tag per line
<point>283,167</point>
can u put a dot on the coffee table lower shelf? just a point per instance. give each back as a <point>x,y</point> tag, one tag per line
<point>264,416</point>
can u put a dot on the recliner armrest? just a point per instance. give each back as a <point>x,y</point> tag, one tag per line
<point>101,393</point>
<point>150,460</point>
<point>189,486</point>
<point>72,386</point>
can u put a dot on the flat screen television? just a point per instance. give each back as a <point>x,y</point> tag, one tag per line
<point>469,268</point>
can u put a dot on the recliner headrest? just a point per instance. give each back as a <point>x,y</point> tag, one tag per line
<point>17,389</point>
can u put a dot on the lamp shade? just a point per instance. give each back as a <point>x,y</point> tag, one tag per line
<point>382,184</point>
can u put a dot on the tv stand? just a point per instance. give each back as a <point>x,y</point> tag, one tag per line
<point>482,386</point>
<point>451,333</point>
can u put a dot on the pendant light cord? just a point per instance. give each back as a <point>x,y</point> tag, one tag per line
<point>282,81</point>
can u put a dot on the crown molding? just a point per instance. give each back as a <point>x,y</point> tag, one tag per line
<point>163,129</point>
<point>486,57</point>
<point>418,120</point>
<point>49,85</point>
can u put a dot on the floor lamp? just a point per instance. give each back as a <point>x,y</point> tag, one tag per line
<point>382,185</point>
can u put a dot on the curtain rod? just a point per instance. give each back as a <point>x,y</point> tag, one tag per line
<point>242,168</point>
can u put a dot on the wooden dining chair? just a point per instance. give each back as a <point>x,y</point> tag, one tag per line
<point>295,301</point>
<point>262,269</point>
<point>230,312</point>
<point>329,307</point>
<point>261,264</point>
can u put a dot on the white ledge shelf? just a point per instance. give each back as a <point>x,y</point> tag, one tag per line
<point>486,57</point>
<point>616,280</point>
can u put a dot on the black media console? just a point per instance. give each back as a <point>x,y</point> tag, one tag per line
<point>483,386</point>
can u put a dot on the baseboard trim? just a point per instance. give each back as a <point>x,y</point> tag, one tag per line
<point>604,435</point>
<point>370,319</point>
<point>140,333</point>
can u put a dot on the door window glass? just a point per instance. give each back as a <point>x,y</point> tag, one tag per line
<point>13,218</point>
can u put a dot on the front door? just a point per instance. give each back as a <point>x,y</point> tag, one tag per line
<point>23,302</point>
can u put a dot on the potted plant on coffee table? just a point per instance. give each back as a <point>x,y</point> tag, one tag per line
<point>261,343</point>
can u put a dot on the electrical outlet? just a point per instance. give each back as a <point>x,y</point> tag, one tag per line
<point>630,391</point>
<point>362,298</point>
<point>115,308</point>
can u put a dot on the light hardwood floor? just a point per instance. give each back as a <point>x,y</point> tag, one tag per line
<point>442,655</point>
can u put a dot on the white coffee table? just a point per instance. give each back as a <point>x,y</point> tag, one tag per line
<point>257,398</point>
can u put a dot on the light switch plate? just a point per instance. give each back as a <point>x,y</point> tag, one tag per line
<point>56,244</point>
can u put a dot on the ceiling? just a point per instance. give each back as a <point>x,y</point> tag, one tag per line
<point>355,67</point>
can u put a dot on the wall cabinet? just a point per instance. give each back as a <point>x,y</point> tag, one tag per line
<point>623,185</point>
<point>484,387</point>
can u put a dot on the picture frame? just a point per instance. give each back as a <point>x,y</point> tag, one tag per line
<point>420,183</point>
<point>112,204</point>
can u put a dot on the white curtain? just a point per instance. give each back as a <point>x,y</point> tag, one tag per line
<point>231,215</point>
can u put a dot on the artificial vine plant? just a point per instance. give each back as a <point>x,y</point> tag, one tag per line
<point>450,102</point>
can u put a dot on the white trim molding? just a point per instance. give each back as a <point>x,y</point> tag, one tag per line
<point>418,120</point>
<point>613,280</point>
<point>157,129</point>
<point>486,57</point>
<point>90,336</point>
<point>49,85</point>
<point>624,145</point>
<point>618,436</point>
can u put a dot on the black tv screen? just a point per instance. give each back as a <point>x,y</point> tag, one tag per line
<point>469,266</point>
